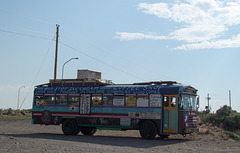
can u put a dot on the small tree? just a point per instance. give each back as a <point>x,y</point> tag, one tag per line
<point>228,118</point>
<point>10,111</point>
<point>224,111</point>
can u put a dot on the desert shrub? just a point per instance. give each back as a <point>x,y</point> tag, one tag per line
<point>207,118</point>
<point>29,111</point>
<point>229,119</point>
<point>10,111</point>
<point>225,117</point>
<point>233,135</point>
<point>223,112</point>
<point>232,122</point>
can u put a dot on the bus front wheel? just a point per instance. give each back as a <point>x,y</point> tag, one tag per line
<point>70,127</point>
<point>148,130</point>
<point>88,130</point>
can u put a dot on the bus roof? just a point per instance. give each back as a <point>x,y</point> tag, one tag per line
<point>119,89</point>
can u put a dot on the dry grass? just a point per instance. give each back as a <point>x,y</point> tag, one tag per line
<point>10,114</point>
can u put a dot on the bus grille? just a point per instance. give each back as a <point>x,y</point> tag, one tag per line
<point>192,123</point>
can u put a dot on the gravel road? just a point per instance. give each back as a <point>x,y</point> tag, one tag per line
<point>21,136</point>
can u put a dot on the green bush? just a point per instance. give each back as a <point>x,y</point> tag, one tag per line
<point>10,111</point>
<point>228,118</point>
<point>207,118</point>
<point>225,117</point>
<point>232,122</point>
<point>29,111</point>
<point>233,135</point>
<point>224,111</point>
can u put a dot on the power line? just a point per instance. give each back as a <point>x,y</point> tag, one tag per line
<point>32,36</point>
<point>37,72</point>
<point>43,61</point>
<point>116,68</point>
<point>22,34</point>
<point>27,35</point>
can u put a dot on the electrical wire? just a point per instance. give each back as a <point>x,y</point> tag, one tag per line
<point>43,60</point>
<point>115,68</point>
<point>77,50</point>
<point>30,89</point>
<point>64,44</point>
<point>22,34</point>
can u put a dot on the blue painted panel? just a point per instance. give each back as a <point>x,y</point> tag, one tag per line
<point>56,108</point>
<point>173,119</point>
<point>166,119</point>
<point>123,110</point>
<point>124,89</point>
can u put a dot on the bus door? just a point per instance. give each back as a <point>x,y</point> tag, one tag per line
<point>85,102</point>
<point>169,113</point>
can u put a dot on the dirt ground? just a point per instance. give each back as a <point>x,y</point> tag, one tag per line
<point>22,136</point>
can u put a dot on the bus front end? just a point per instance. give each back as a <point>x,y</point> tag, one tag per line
<point>190,121</point>
<point>188,105</point>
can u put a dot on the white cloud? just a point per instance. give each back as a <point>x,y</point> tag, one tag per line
<point>198,33</point>
<point>202,21</point>
<point>134,36</point>
<point>159,9</point>
<point>223,43</point>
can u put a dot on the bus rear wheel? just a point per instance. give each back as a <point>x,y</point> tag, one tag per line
<point>88,130</point>
<point>148,130</point>
<point>70,127</point>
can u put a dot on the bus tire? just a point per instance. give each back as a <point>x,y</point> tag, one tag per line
<point>70,127</point>
<point>76,131</point>
<point>88,130</point>
<point>148,130</point>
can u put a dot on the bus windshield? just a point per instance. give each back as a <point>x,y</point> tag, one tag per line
<point>188,102</point>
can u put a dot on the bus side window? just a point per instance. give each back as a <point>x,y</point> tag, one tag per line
<point>108,100</point>
<point>173,101</point>
<point>118,100</point>
<point>142,101</point>
<point>39,100</point>
<point>61,99</point>
<point>49,99</point>
<point>96,99</point>
<point>73,99</point>
<point>166,101</point>
<point>130,100</point>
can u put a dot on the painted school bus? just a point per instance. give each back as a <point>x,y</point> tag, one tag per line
<point>162,108</point>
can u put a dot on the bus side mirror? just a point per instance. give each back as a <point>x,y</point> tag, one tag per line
<point>198,101</point>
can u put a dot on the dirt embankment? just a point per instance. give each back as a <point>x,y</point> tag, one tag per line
<point>22,136</point>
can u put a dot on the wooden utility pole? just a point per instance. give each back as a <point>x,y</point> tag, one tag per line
<point>56,54</point>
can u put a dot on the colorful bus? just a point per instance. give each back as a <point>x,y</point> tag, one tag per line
<point>162,108</point>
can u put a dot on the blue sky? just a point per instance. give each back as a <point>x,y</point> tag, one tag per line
<point>195,42</point>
